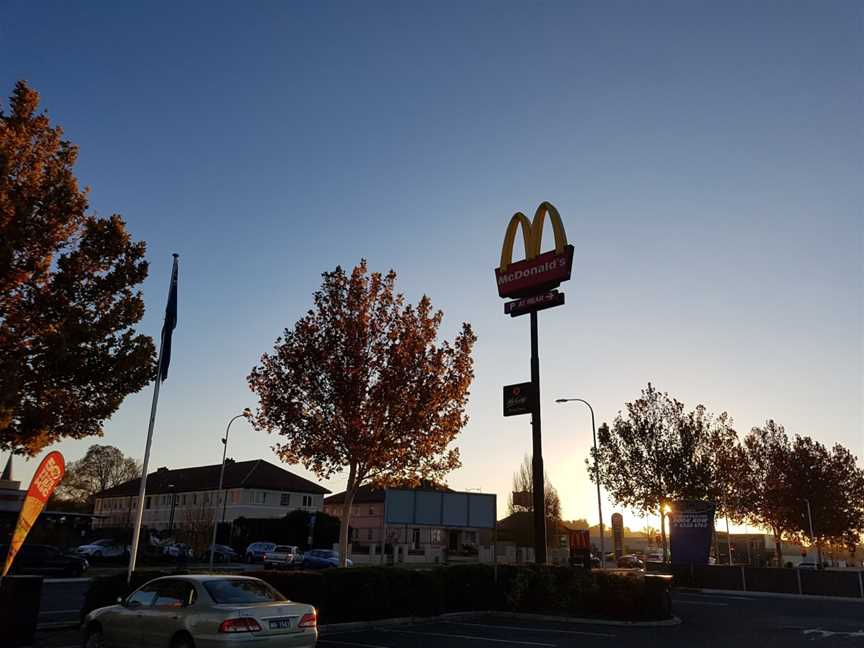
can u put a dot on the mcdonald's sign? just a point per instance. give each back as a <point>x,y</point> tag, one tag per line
<point>537,272</point>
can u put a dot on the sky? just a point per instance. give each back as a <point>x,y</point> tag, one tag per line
<point>706,159</point>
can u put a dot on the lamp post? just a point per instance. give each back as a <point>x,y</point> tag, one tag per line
<point>246,413</point>
<point>812,535</point>
<point>596,473</point>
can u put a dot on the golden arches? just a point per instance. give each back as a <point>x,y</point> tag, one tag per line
<point>532,233</point>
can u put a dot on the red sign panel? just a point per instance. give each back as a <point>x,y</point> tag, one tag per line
<point>580,539</point>
<point>543,272</point>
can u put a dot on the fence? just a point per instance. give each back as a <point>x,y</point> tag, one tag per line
<point>848,583</point>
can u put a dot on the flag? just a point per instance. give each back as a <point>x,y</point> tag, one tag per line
<point>170,323</point>
<point>45,480</point>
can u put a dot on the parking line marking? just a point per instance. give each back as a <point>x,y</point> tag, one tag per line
<point>510,627</point>
<point>350,643</point>
<point>475,637</point>
<point>711,603</point>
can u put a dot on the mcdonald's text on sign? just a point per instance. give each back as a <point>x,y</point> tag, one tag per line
<point>537,272</point>
<point>541,301</point>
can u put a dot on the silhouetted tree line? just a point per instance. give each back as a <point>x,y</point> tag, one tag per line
<point>656,452</point>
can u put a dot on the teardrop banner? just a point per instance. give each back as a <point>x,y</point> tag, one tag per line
<point>46,478</point>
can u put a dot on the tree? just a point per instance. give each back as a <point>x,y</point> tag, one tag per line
<point>523,483</point>
<point>765,496</point>
<point>102,467</point>
<point>360,384</point>
<point>69,354</point>
<point>656,453</point>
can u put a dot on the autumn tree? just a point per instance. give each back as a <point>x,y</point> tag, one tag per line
<point>69,353</point>
<point>654,453</point>
<point>360,384</point>
<point>523,483</point>
<point>102,467</point>
<point>763,483</point>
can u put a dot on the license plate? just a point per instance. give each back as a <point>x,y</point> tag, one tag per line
<point>280,624</point>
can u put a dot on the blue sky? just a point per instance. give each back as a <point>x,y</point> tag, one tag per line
<point>706,159</point>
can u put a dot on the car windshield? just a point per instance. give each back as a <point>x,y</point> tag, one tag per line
<point>236,590</point>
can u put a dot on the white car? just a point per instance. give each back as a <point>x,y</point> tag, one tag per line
<point>203,611</point>
<point>103,549</point>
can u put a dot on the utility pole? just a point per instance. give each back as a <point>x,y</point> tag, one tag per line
<point>537,458</point>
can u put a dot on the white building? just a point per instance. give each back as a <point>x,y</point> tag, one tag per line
<point>253,489</point>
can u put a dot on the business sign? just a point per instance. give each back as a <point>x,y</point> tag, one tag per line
<point>439,508</point>
<point>46,478</point>
<point>691,525</point>
<point>618,534</point>
<point>537,272</point>
<point>523,499</point>
<point>519,399</point>
<point>540,301</point>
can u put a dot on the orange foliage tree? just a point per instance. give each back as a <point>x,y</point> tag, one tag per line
<point>69,354</point>
<point>361,383</point>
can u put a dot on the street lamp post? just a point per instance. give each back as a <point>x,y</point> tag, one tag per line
<point>812,535</point>
<point>596,474</point>
<point>246,413</point>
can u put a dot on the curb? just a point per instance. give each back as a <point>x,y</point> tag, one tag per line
<point>353,626</point>
<point>781,595</point>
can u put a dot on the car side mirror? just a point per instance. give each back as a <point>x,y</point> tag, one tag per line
<point>120,600</point>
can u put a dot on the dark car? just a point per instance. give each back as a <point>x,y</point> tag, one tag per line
<point>321,559</point>
<point>44,560</point>
<point>630,562</point>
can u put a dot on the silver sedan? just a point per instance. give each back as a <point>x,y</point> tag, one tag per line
<point>202,611</point>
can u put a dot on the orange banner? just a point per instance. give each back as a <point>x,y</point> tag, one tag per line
<point>45,480</point>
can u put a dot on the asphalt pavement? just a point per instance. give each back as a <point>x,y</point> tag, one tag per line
<point>739,621</point>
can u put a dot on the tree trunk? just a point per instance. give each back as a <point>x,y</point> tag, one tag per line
<point>663,534</point>
<point>345,520</point>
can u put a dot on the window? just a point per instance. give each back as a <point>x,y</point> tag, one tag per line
<point>183,499</point>
<point>147,503</point>
<point>437,536</point>
<point>241,591</point>
<point>194,498</point>
<point>142,597</point>
<point>368,534</point>
<point>307,500</point>
<point>415,538</point>
<point>285,499</point>
<point>371,510</point>
<point>236,496</point>
<point>174,594</point>
<point>470,537</point>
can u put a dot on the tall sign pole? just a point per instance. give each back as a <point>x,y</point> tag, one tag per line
<point>532,282</point>
<point>539,492</point>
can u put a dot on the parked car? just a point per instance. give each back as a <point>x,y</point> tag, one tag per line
<point>104,549</point>
<point>202,610</point>
<point>177,550</point>
<point>321,559</point>
<point>283,556</point>
<point>221,553</point>
<point>44,560</point>
<point>255,552</point>
<point>630,562</point>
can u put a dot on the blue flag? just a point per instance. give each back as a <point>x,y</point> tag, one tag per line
<point>170,323</point>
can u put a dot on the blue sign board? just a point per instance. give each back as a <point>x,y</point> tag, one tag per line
<point>691,525</point>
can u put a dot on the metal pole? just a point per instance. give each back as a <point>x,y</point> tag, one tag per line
<point>596,474</point>
<point>537,459</point>
<point>812,535</point>
<point>728,541</point>
<point>139,515</point>
<point>221,478</point>
<point>171,516</point>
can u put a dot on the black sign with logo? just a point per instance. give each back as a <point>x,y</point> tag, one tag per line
<point>538,302</point>
<point>519,399</point>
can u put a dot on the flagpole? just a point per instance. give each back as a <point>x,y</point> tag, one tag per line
<point>136,534</point>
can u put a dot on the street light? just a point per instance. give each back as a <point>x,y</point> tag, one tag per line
<point>812,535</point>
<point>596,473</point>
<point>246,413</point>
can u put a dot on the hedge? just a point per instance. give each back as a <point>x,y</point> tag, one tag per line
<point>368,593</point>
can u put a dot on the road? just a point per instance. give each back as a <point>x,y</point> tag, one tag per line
<point>707,620</point>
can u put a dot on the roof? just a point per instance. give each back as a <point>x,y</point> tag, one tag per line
<point>238,474</point>
<point>370,495</point>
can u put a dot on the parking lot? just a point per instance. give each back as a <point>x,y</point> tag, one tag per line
<point>714,620</point>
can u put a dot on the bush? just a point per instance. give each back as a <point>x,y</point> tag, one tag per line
<point>369,593</point>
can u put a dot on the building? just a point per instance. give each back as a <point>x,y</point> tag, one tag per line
<point>253,489</point>
<point>372,540</point>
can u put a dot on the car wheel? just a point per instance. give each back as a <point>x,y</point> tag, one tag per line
<point>94,638</point>
<point>183,641</point>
